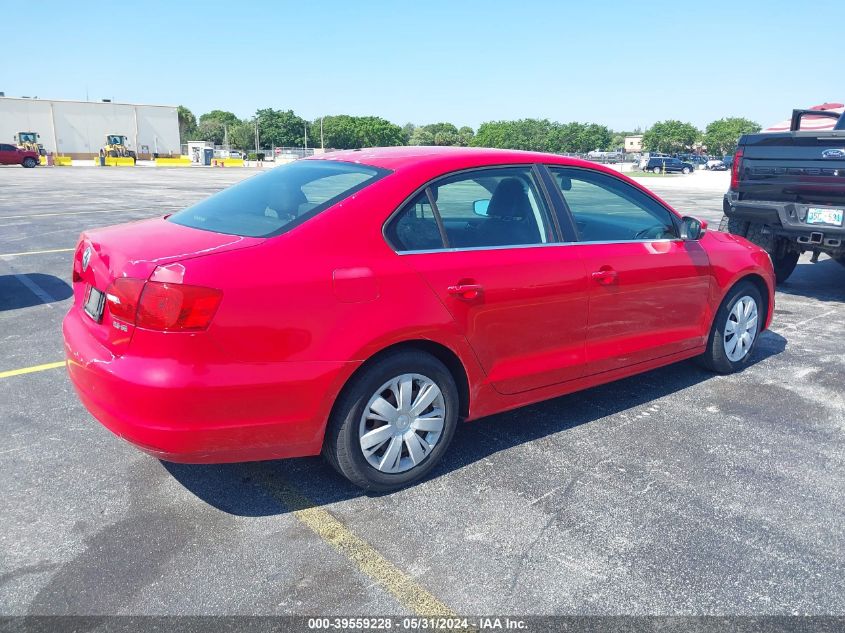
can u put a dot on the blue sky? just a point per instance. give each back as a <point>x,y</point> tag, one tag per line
<point>623,64</point>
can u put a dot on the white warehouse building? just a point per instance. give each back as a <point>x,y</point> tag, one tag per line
<point>78,128</point>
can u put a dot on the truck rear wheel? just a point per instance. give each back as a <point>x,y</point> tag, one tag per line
<point>784,259</point>
<point>784,265</point>
<point>737,227</point>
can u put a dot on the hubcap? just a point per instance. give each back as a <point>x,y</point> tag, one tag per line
<point>402,423</point>
<point>741,328</point>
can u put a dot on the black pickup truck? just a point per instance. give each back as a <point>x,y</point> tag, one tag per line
<point>787,192</point>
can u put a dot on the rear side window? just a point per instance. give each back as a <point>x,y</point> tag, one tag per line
<point>415,227</point>
<point>280,199</point>
<point>481,208</point>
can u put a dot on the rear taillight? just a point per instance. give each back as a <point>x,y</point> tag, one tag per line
<point>166,306</point>
<point>162,306</point>
<point>122,295</point>
<point>735,167</point>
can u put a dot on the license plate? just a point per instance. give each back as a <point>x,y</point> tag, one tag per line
<point>93,305</point>
<point>825,216</point>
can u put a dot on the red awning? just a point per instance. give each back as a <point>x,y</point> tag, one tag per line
<point>811,123</point>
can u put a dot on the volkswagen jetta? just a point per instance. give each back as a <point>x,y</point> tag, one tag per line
<point>361,303</point>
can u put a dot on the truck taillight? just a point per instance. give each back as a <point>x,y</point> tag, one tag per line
<point>162,306</point>
<point>174,307</point>
<point>735,167</point>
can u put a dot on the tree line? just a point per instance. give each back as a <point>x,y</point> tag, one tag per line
<point>284,128</point>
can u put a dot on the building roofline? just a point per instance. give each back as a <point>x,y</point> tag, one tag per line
<point>146,105</point>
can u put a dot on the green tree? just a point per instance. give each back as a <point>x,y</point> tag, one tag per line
<point>594,136</point>
<point>212,131</point>
<point>187,123</point>
<point>721,136</point>
<point>354,132</point>
<point>526,134</point>
<point>283,128</point>
<point>421,136</point>
<point>408,131</point>
<point>465,136</point>
<point>441,134</point>
<point>242,135</point>
<point>565,138</point>
<point>617,141</point>
<point>670,137</point>
<point>220,116</point>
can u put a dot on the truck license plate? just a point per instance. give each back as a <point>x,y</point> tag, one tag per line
<point>93,305</point>
<point>825,216</point>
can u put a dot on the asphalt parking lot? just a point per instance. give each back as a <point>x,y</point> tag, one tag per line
<point>673,492</point>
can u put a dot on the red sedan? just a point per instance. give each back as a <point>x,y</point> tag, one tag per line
<point>360,303</point>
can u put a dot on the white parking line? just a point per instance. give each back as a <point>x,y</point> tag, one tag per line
<point>45,215</point>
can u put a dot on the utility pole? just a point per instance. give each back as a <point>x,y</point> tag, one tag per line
<point>305,125</point>
<point>322,141</point>
<point>256,135</point>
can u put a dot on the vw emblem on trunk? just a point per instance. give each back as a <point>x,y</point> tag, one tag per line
<point>86,257</point>
<point>833,153</point>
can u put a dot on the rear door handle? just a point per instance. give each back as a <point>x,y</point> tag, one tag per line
<point>466,292</point>
<point>606,276</point>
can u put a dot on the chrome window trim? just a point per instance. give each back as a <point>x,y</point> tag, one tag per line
<point>533,167</point>
<point>520,246</point>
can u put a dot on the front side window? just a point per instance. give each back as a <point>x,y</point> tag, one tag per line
<point>280,199</point>
<point>606,209</point>
<point>488,207</point>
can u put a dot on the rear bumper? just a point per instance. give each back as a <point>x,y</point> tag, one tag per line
<point>785,218</point>
<point>191,413</point>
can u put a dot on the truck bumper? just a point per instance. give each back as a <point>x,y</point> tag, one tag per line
<point>786,219</point>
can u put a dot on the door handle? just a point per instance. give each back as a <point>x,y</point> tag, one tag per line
<point>605,276</point>
<point>466,292</point>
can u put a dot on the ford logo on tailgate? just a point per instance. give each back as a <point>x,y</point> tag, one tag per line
<point>833,153</point>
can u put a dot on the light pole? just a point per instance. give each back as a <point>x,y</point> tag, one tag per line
<point>305,127</point>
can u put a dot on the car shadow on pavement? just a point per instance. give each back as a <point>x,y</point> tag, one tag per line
<point>280,486</point>
<point>824,280</point>
<point>25,290</point>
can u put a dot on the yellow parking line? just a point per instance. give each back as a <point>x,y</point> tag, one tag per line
<point>30,370</point>
<point>408,592</point>
<point>54,250</point>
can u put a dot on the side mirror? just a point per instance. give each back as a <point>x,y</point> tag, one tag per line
<point>692,229</point>
<point>479,207</point>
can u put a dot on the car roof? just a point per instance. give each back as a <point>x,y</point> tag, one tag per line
<point>420,157</point>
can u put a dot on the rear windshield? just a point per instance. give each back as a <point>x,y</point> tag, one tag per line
<point>280,199</point>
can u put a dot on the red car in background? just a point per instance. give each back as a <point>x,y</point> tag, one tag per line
<point>14,155</point>
<point>360,303</point>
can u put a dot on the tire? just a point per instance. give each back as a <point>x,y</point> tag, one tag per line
<point>656,170</point>
<point>784,265</point>
<point>783,259</point>
<point>717,357</point>
<point>29,162</point>
<point>351,419</point>
<point>737,227</point>
<point>685,171</point>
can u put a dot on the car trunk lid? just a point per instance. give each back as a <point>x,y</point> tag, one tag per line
<point>135,250</point>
